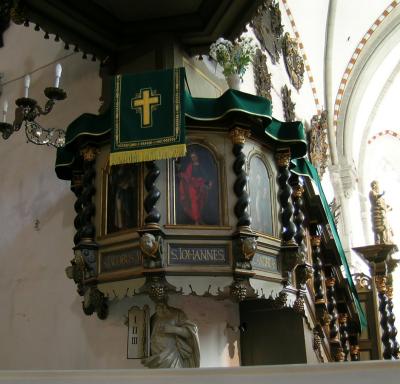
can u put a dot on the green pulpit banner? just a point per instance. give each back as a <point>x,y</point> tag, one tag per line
<point>148,117</point>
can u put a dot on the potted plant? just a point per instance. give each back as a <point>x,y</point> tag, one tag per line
<point>233,57</point>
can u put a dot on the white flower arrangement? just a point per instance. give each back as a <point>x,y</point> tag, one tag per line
<point>234,57</point>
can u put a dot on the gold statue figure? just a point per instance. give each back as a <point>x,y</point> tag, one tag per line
<point>379,208</point>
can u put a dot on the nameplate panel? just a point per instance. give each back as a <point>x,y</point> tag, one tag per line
<point>121,259</point>
<point>265,262</point>
<point>180,254</point>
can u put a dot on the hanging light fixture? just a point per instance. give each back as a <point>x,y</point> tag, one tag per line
<point>28,110</point>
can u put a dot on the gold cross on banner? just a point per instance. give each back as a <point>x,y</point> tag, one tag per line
<point>145,103</point>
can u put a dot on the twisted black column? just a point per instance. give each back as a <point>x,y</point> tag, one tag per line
<point>334,341</point>
<point>317,265</point>
<point>344,335</point>
<point>284,194</point>
<point>84,219</point>
<point>380,282</point>
<point>241,207</point>
<point>153,194</point>
<point>76,187</point>
<point>298,215</point>
<point>392,319</point>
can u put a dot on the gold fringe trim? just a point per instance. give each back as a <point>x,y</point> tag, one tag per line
<point>147,154</point>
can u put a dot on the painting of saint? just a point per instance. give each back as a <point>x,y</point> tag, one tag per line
<point>197,188</point>
<point>122,198</point>
<point>260,196</point>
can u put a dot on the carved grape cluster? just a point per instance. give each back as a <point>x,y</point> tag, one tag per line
<point>239,292</point>
<point>298,305</point>
<point>157,292</point>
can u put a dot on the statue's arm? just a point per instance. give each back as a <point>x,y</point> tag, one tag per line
<point>180,331</point>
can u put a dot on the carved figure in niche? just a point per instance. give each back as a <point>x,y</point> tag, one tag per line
<point>380,226</point>
<point>151,248</point>
<point>262,77</point>
<point>260,195</point>
<point>293,61</point>
<point>174,341</point>
<point>122,205</point>
<point>268,28</point>
<point>196,188</point>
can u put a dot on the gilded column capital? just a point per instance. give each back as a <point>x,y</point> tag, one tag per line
<point>389,292</point>
<point>339,355</point>
<point>298,191</point>
<point>89,153</point>
<point>343,317</point>
<point>283,158</point>
<point>315,241</point>
<point>330,282</point>
<point>354,350</point>
<point>239,135</point>
<point>380,282</point>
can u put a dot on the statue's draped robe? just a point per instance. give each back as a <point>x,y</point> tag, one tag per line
<point>169,350</point>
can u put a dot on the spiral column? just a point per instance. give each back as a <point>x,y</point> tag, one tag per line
<point>238,137</point>
<point>334,341</point>
<point>284,194</point>
<point>344,335</point>
<point>391,320</point>
<point>153,194</point>
<point>380,282</point>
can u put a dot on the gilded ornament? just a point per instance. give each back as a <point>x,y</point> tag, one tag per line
<point>340,355</point>
<point>315,241</point>
<point>354,349</point>
<point>330,282</point>
<point>326,318</point>
<point>389,292</point>
<point>268,28</point>
<point>298,191</point>
<point>238,292</point>
<point>362,281</point>
<point>380,282</point>
<point>319,143</point>
<point>343,317</point>
<point>262,78</point>
<point>249,248</point>
<point>293,60</point>
<point>239,135</point>
<point>17,13</point>
<point>298,305</point>
<point>283,158</point>
<point>287,104</point>
<point>89,153</point>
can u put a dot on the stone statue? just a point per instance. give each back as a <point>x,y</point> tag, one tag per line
<point>151,248</point>
<point>174,341</point>
<point>380,226</point>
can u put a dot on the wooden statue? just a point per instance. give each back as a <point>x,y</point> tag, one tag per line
<point>382,231</point>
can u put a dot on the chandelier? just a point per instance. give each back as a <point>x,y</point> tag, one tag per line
<point>28,110</point>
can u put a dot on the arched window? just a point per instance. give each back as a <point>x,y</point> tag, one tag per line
<point>260,195</point>
<point>197,190</point>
